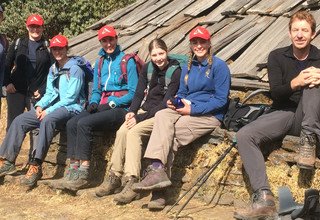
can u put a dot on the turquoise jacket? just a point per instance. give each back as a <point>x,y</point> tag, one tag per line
<point>208,93</point>
<point>111,78</point>
<point>65,88</point>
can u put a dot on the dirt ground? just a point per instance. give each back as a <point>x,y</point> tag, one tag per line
<point>44,203</point>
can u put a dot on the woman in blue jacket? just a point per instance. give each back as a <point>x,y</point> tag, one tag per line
<point>111,97</point>
<point>64,97</point>
<point>198,109</point>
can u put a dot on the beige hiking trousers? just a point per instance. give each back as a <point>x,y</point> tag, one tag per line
<point>127,149</point>
<point>172,130</point>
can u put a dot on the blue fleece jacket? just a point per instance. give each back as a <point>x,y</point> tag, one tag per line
<point>111,78</point>
<point>208,93</point>
<point>70,93</point>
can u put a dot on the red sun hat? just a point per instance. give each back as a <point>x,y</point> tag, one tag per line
<point>58,41</point>
<point>35,19</point>
<point>106,31</point>
<point>199,32</point>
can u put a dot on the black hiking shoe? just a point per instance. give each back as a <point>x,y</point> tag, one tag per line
<point>307,151</point>
<point>155,179</point>
<point>110,185</point>
<point>33,175</point>
<point>158,201</point>
<point>127,195</point>
<point>7,168</point>
<point>78,181</point>
<point>262,207</point>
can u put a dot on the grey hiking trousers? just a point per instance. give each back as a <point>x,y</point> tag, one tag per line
<point>273,127</point>
<point>28,121</point>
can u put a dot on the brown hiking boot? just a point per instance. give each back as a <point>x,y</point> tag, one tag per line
<point>111,185</point>
<point>33,175</point>
<point>127,195</point>
<point>263,206</point>
<point>158,201</point>
<point>307,151</point>
<point>155,179</point>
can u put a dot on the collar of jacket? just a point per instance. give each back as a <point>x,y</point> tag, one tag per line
<point>115,53</point>
<point>25,42</point>
<point>314,53</point>
<point>197,63</point>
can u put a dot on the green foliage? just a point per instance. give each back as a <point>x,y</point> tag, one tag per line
<point>61,16</point>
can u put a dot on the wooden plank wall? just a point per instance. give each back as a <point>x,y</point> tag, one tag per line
<point>243,31</point>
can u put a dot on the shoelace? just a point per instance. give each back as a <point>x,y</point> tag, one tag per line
<point>32,170</point>
<point>146,171</point>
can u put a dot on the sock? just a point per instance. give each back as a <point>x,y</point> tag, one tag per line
<point>74,164</point>
<point>157,163</point>
<point>84,167</point>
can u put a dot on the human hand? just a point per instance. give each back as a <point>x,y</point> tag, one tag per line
<point>38,111</point>
<point>131,122</point>
<point>10,88</point>
<point>315,76</point>
<point>92,108</point>
<point>42,115</point>
<point>129,115</point>
<point>170,105</point>
<point>186,109</point>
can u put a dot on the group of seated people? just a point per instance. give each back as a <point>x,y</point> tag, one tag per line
<point>172,108</point>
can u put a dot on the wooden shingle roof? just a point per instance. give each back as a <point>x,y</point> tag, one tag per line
<point>243,32</point>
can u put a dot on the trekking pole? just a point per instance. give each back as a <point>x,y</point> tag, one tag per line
<point>202,179</point>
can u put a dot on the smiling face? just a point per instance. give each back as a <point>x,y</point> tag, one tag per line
<point>200,48</point>
<point>301,34</point>
<point>109,44</point>
<point>35,32</point>
<point>159,57</point>
<point>60,54</point>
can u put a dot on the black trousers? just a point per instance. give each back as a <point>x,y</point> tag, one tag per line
<point>81,127</point>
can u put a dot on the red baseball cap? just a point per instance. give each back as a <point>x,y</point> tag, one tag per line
<point>200,32</point>
<point>35,19</point>
<point>58,41</point>
<point>106,31</point>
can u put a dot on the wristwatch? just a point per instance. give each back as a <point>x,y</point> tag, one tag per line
<point>112,104</point>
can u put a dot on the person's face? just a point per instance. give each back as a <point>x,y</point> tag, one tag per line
<point>59,53</point>
<point>159,57</point>
<point>109,44</point>
<point>301,34</point>
<point>200,47</point>
<point>35,32</point>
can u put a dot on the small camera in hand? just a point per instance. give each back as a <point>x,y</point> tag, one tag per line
<point>177,102</point>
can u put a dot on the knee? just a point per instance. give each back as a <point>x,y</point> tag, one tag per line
<point>245,134</point>
<point>122,131</point>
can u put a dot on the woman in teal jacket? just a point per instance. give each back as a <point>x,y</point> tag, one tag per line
<point>111,96</point>
<point>64,98</point>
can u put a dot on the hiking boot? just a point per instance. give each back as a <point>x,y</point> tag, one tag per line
<point>158,201</point>
<point>33,175</point>
<point>6,167</point>
<point>127,195</point>
<point>78,180</point>
<point>110,185</point>
<point>155,178</point>
<point>263,206</point>
<point>307,151</point>
<point>60,183</point>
